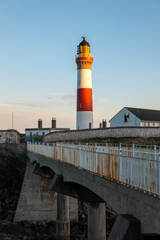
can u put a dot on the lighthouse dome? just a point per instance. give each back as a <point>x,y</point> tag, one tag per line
<point>84,42</point>
<point>83,47</point>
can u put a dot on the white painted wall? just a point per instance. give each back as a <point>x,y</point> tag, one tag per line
<point>118,120</point>
<point>34,132</point>
<point>150,124</point>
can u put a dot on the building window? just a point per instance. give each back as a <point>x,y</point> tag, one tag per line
<point>43,133</point>
<point>153,124</point>
<point>148,124</point>
<point>36,133</point>
<point>126,117</point>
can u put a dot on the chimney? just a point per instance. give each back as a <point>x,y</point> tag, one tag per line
<point>53,123</point>
<point>104,123</point>
<point>39,123</point>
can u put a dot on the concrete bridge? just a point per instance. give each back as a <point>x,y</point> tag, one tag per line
<point>128,180</point>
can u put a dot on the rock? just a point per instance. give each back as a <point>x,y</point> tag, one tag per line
<point>3,194</point>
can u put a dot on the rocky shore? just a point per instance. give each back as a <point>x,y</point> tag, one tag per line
<point>46,230</point>
<point>11,177</point>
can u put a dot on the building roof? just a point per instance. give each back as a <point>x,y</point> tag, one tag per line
<point>43,129</point>
<point>145,114</point>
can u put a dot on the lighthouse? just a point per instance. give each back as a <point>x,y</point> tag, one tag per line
<point>84,60</point>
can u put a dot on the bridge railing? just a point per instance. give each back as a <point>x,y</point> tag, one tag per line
<point>124,145</point>
<point>125,150</point>
<point>136,169</point>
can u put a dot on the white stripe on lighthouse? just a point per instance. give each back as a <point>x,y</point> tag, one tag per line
<point>84,78</point>
<point>83,120</point>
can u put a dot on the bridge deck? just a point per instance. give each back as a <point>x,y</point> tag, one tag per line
<point>136,168</point>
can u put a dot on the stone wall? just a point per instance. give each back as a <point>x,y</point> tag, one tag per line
<point>17,149</point>
<point>9,136</point>
<point>117,132</point>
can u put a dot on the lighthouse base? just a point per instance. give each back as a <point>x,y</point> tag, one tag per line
<point>84,120</point>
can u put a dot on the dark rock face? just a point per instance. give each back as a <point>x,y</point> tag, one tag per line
<point>27,230</point>
<point>11,176</point>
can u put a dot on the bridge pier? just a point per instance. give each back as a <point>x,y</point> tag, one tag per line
<point>96,221</point>
<point>126,227</point>
<point>62,222</point>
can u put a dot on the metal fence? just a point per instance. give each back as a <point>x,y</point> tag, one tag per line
<point>129,166</point>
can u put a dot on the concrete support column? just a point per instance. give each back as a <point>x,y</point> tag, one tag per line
<point>62,222</point>
<point>126,227</point>
<point>96,221</point>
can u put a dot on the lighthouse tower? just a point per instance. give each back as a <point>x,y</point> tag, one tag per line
<point>84,60</point>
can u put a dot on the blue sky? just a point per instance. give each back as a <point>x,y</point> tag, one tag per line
<point>38,43</point>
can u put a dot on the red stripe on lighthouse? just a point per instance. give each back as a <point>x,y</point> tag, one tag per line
<point>84,58</point>
<point>84,99</point>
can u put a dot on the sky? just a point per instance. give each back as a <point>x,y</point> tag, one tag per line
<point>38,44</point>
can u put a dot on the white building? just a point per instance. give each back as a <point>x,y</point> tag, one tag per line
<point>40,131</point>
<point>136,117</point>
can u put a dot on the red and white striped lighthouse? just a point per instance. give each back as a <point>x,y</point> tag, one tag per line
<point>84,62</point>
